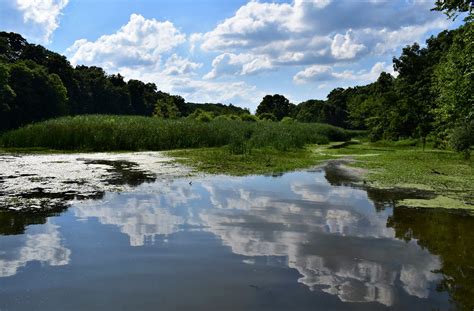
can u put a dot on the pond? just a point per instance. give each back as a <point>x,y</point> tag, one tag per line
<point>299,241</point>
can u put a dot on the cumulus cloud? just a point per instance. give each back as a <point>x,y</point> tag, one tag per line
<point>177,65</point>
<point>35,19</point>
<point>319,39</point>
<point>317,32</point>
<point>345,47</point>
<point>251,24</point>
<point>238,92</point>
<point>318,73</point>
<point>140,42</point>
<point>241,64</point>
<point>141,50</point>
<point>314,73</point>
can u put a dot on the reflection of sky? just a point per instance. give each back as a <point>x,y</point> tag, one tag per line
<point>327,233</point>
<point>41,243</point>
<point>141,218</point>
<point>331,235</point>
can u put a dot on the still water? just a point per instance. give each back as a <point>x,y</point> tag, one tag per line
<point>299,241</point>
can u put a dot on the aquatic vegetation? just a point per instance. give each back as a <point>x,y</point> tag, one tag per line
<point>109,133</point>
<point>398,165</point>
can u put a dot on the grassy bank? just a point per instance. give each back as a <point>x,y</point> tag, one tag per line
<point>110,133</point>
<point>258,161</point>
<point>403,165</point>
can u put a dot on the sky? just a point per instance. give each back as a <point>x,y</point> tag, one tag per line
<point>230,51</point>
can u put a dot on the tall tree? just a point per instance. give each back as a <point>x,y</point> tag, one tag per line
<point>454,85</point>
<point>454,80</point>
<point>278,105</point>
<point>452,8</point>
<point>166,108</point>
<point>7,95</point>
<point>39,95</point>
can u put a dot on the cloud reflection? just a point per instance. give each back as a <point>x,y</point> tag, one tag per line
<point>42,243</point>
<point>332,235</point>
<point>141,220</point>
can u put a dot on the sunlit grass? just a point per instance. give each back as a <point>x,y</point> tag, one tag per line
<point>109,133</point>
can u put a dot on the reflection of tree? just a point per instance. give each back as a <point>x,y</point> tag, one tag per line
<point>15,222</point>
<point>448,235</point>
<point>337,175</point>
<point>386,198</point>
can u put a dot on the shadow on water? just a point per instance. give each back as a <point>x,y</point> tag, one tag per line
<point>448,235</point>
<point>124,172</point>
<point>15,222</point>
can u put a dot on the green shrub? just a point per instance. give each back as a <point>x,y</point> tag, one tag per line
<point>248,118</point>
<point>462,138</point>
<point>287,120</point>
<point>204,117</point>
<point>267,116</point>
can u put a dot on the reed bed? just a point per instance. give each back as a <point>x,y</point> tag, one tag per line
<point>114,133</point>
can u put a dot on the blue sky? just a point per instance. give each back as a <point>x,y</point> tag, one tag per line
<point>230,51</point>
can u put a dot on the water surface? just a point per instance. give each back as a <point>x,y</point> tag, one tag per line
<point>290,242</point>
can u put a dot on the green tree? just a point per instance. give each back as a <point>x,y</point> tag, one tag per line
<point>335,109</point>
<point>166,108</point>
<point>454,84</point>
<point>267,116</point>
<point>278,105</point>
<point>143,97</point>
<point>374,108</point>
<point>248,118</point>
<point>452,8</point>
<point>7,95</point>
<point>310,111</point>
<point>39,95</point>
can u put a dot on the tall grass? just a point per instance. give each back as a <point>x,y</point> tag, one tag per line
<point>107,133</point>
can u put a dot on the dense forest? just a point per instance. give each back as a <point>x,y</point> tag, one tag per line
<point>37,84</point>
<point>431,97</point>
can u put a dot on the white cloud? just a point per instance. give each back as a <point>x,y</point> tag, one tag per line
<point>313,36</point>
<point>239,92</point>
<point>42,243</point>
<point>241,64</point>
<point>318,73</point>
<point>314,73</point>
<point>317,32</point>
<point>140,49</point>
<point>140,42</point>
<point>43,15</point>
<point>176,65</point>
<point>250,24</point>
<point>345,47</point>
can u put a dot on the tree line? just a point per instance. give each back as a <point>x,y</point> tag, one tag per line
<point>431,97</point>
<point>37,84</point>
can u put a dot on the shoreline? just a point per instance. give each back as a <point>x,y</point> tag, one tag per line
<point>344,163</point>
